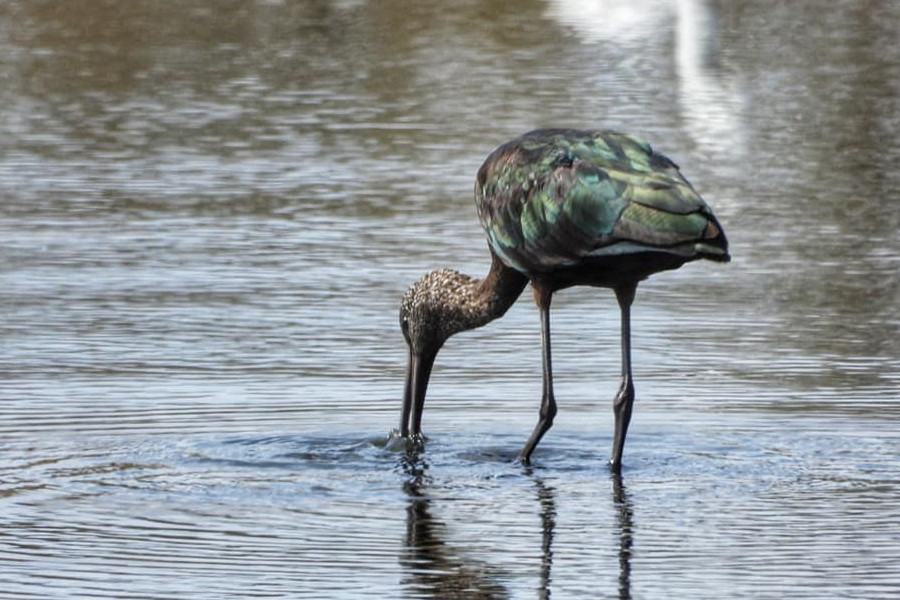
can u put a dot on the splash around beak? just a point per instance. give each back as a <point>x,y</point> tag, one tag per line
<point>418,372</point>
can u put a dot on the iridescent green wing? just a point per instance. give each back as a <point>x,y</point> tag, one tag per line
<point>551,198</point>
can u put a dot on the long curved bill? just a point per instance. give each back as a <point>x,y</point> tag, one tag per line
<point>418,372</point>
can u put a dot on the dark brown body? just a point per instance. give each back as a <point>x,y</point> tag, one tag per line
<point>561,208</point>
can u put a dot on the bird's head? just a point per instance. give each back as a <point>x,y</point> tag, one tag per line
<point>439,305</point>
<point>434,308</point>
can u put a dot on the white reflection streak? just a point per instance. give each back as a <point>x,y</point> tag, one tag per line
<point>610,20</point>
<point>709,102</point>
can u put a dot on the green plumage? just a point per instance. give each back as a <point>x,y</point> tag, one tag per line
<point>561,208</point>
<point>557,198</point>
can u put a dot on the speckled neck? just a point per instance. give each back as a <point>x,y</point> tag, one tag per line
<point>445,302</point>
<point>499,290</point>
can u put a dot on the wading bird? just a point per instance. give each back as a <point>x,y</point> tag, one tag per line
<point>561,208</point>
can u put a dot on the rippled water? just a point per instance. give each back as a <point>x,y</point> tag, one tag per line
<point>208,212</point>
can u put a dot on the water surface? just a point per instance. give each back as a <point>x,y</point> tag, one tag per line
<point>209,211</point>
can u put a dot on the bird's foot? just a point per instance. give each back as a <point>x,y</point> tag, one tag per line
<point>410,443</point>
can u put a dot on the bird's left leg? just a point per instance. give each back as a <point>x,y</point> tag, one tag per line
<point>625,397</point>
<point>542,296</point>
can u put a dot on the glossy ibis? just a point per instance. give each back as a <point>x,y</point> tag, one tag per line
<point>561,208</point>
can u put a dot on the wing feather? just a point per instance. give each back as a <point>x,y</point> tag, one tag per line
<point>551,198</point>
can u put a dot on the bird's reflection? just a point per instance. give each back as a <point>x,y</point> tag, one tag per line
<point>434,569</point>
<point>625,527</point>
<point>546,496</point>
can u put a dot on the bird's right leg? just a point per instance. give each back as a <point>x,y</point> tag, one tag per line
<point>542,297</point>
<point>624,400</point>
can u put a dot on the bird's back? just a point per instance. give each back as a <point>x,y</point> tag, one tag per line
<point>555,200</point>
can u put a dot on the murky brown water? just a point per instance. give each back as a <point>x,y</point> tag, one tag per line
<point>209,210</point>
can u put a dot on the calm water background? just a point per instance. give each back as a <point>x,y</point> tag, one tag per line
<point>209,210</point>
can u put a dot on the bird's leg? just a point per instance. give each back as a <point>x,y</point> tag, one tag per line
<point>542,297</point>
<point>625,397</point>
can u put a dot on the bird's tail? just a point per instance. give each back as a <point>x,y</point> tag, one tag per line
<point>713,243</point>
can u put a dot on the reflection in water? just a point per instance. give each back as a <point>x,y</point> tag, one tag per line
<point>546,495</point>
<point>610,20</point>
<point>709,102</point>
<point>625,526</point>
<point>547,500</point>
<point>435,569</point>
<point>208,212</point>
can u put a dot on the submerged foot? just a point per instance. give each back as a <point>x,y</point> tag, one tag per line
<point>397,442</point>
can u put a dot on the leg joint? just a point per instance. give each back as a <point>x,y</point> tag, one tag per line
<point>548,411</point>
